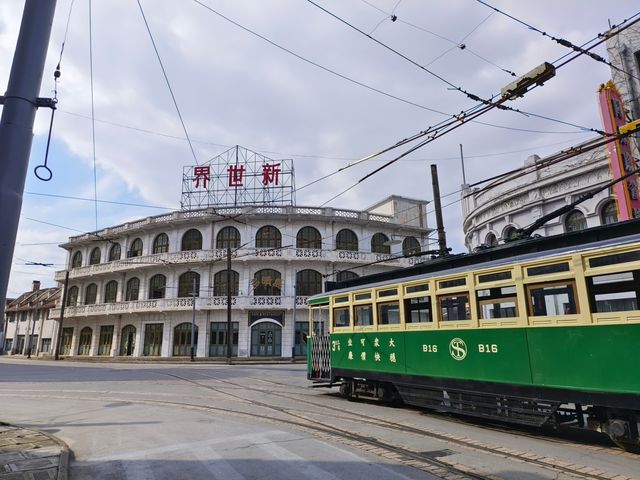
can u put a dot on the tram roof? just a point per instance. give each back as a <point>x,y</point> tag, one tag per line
<point>513,252</point>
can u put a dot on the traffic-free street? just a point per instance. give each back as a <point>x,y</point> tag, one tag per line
<point>185,421</point>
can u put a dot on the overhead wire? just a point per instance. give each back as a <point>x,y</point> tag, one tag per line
<point>166,78</point>
<point>93,123</point>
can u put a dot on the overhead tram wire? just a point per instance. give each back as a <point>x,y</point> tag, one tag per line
<point>361,84</point>
<point>93,123</point>
<point>166,78</point>
<point>487,102</point>
<point>560,41</point>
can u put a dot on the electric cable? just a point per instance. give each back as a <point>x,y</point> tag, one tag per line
<point>93,123</point>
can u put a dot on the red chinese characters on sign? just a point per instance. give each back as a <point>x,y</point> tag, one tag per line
<point>201,173</point>
<point>270,173</point>
<point>236,173</point>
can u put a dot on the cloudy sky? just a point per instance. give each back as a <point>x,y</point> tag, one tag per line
<point>235,87</point>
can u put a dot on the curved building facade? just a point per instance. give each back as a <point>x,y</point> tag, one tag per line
<point>135,290</point>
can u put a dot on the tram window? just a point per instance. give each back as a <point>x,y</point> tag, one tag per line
<point>388,293</point>
<point>614,259</point>
<point>454,307</point>
<point>417,310</point>
<point>458,282</point>
<point>417,288</point>
<point>341,299</point>
<point>547,269</point>
<point>341,317</point>
<point>497,303</point>
<point>363,315</point>
<point>362,296</point>
<point>389,313</point>
<point>617,292</point>
<point>553,299</point>
<point>494,277</point>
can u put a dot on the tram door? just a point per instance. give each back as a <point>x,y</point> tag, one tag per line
<point>266,340</point>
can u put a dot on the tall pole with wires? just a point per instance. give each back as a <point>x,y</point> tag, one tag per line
<point>442,238</point>
<point>16,124</point>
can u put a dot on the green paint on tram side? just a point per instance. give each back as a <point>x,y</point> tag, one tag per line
<point>318,301</point>
<point>597,358</point>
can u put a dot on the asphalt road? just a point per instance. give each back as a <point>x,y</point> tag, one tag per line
<point>193,421</point>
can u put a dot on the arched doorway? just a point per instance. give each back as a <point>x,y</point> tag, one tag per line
<point>266,339</point>
<point>127,341</point>
<point>182,340</point>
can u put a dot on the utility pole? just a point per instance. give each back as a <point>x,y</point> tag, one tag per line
<point>293,327</point>
<point>464,177</point>
<point>442,239</point>
<point>229,332</point>
<point>33,330</point>
<point>193,320</point>
<point>16,124</point>
<point>64,303</point>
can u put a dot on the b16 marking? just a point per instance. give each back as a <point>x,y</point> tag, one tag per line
<point>487,348</point>
<point>430,348</point>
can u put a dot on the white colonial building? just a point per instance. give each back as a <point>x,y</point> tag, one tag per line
<point>131,292</point>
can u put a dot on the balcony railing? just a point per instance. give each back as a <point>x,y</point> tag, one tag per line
<point>246,254</point>
<point>181,304</point>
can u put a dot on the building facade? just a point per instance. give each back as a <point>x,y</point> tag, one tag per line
<point>135,290</point>
<point>30,328</point>
<point>492,214</point>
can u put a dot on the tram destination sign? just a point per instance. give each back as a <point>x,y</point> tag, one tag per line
<point>238,177</point>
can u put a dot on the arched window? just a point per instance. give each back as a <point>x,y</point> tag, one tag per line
<point>90,294</point>
<point>114,252</point>
<point>157,286</point>
<point>410,246</point>
<point>94,258</point>
<point>609,213</point>
<point>192,240</point>
<point>346,240</point>
<point>182,339</point>
<point>378,244</point>
<point>220,283</point>
<point>185,284</point>
<point>228,237</point>
<point>308,237</point>
<point>575,221</point>
<point>110,291</point>
<point>72,296</point>
<point>268,237</point>
<point>308,282</point>
<point>267,282</point>
<point>509,233</point>
<point>345,275</point>
<point>84,343</point>
<point>491,240</point>
<point>161,243</point>
<point>136,248</point>
<point>133,289</point>
<point>76,261</point>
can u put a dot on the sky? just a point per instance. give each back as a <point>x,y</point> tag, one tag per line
<point>291,81</point>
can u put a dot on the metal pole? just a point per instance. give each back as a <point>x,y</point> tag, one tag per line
<point>293,327</point>
<point>16,125</point>
<point>33,329</point>
<point>464,178</point>
<point>442,238</point>
<point>229,332</point>
<point>64,303</point>
<point>193,320</point>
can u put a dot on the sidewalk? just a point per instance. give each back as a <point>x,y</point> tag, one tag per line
<point>31,455</point>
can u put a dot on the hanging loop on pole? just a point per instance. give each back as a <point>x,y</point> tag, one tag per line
<point>45,172</point>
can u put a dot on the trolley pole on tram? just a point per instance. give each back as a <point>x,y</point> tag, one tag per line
<point>16,125</point>
<point>229,332</point>
<point>442,238</point>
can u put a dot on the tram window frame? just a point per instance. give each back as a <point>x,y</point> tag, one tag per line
<point>614,287</point>
<point>467,308</point>
<point>414,305</point>
<point>358,297</point>
<point>453,283</point>
<point>494,276</point>
<point>338,313</point>
<point>383,316</point>
<point>614,259</point>
<point>548,285</point>
<point>416,289</point>
<point>548,269</point>
<point>497,297</point>
<point>387,292</point>
<point>356,317</point>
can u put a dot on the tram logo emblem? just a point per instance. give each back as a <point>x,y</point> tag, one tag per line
<point>458,349</point>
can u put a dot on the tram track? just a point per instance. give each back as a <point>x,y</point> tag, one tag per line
<point>409,455</point>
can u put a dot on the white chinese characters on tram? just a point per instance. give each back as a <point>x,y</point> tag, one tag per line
<point>349,343</point>
<point>392,357</point>
<point>362,342</point>
<point>377,357</point>
<point>350,355</point>
<point>363,356</point>
<point>392,343</point>
<point>376,342</point>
